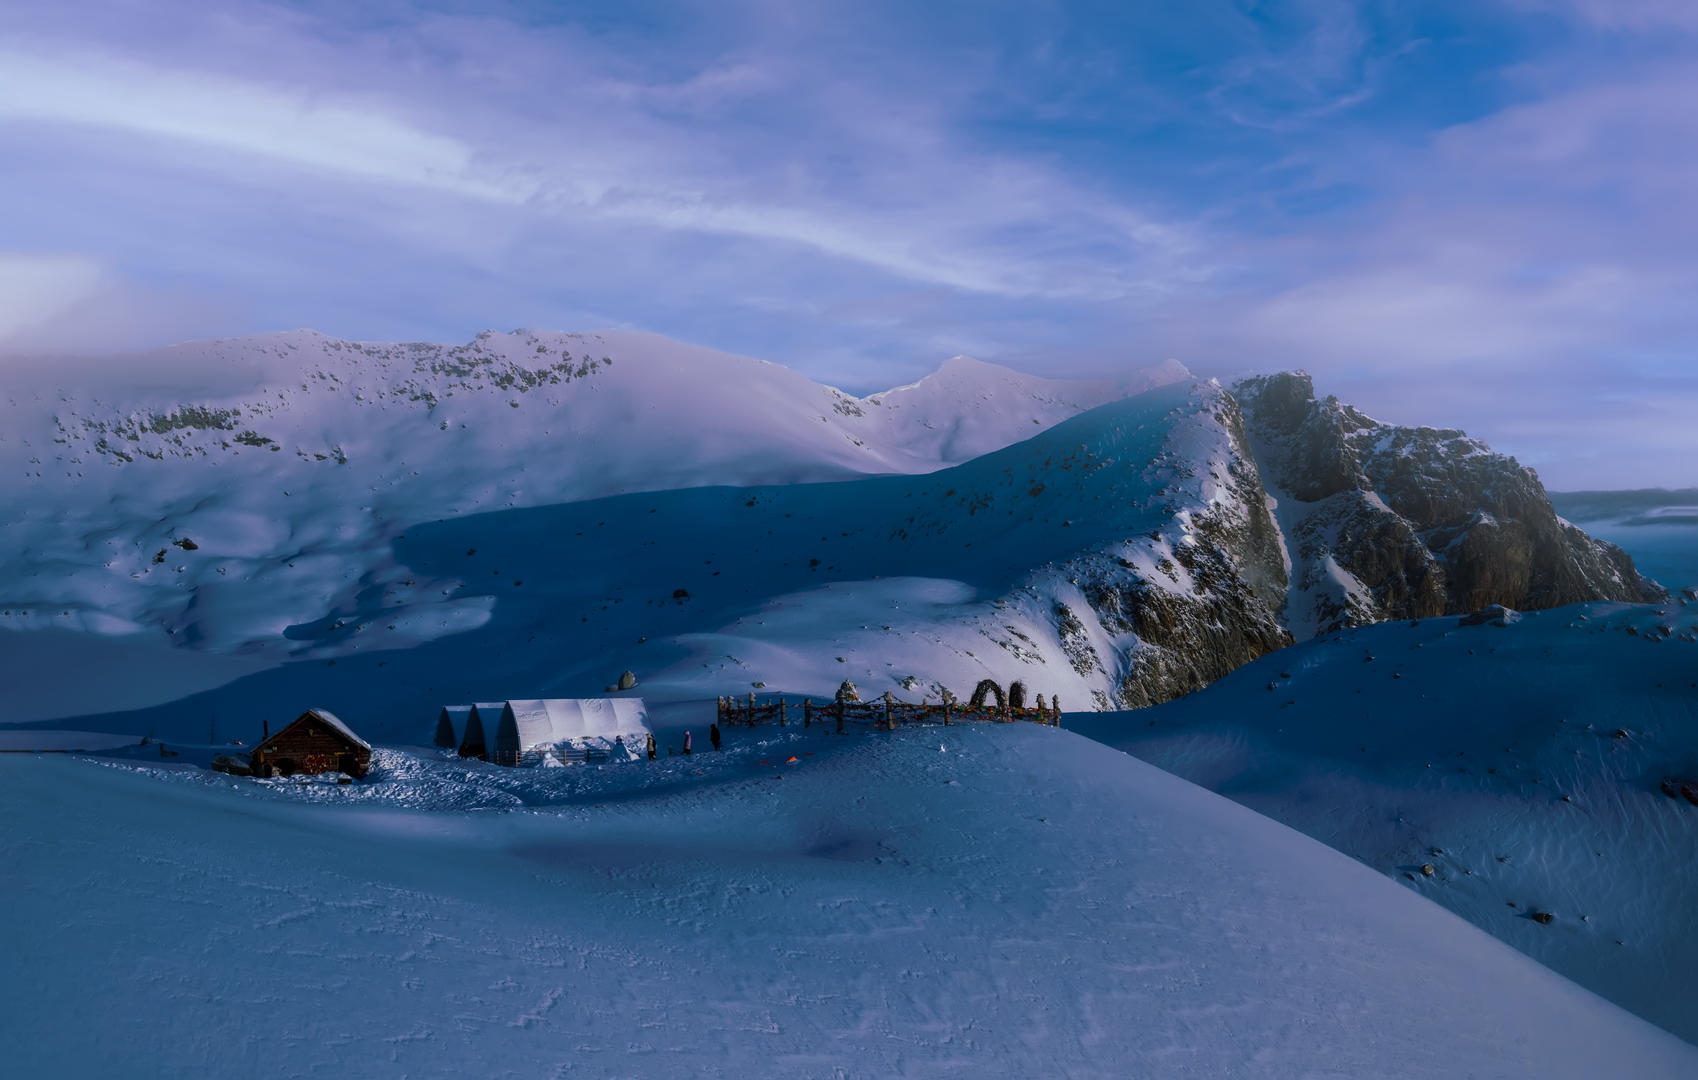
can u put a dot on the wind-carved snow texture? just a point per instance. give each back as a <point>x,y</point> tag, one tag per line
<point>1500,770</point>
<point>1389,522</point>
<point>1007,900</point>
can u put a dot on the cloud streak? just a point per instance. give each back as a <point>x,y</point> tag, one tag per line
<point>1480,196</point>
<point>925,207</point>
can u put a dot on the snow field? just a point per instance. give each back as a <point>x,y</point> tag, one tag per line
<point>1522,763</point>
<point>1019,903</point>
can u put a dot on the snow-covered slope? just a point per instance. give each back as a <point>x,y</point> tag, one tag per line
<point>1523,763</point>
<point>294,473</point>
<point>1020,904</point>
<point>968,408</point>
<point>1121,556</point>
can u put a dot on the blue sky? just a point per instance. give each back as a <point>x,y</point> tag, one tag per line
<point>1474,214</point>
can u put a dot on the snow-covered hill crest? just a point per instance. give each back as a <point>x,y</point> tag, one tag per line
<point>501,397</point>
<point>313,454</point>
<point>751,528</point>
<point>1120,558</point>
<point>1500,770</point>
<point>1007,900</point>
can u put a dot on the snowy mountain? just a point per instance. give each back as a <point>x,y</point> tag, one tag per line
<point>1502,769</point>
<point>314,453</point>
<point>1125,555</point>
<point>1002,900</point>
<point>1117,559</point>
<point>388,529</point>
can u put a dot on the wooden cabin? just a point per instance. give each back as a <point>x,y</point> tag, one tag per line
<point>317,742</point>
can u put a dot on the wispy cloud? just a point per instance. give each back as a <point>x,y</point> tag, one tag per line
<point>1626,15</point>
<point>1415,205</point>
<point>35,290</point>
<point>858,176</point>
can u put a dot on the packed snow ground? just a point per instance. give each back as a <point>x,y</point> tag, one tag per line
<point>1003,900</point>
<point>1522,763</point>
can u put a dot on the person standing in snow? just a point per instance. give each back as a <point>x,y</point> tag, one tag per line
<point>651,746</point>
<point>713,735</point>
<point>686,742</point>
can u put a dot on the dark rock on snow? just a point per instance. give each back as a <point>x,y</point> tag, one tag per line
<point>1427,521</point>
<point>1492,615</point>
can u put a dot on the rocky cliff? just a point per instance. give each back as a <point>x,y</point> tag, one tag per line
<point>1386,522</point>
<point>1194,599</point>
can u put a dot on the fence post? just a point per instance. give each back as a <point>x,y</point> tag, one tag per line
<point>783,715</point>
<point>840,717</point>
<point>807,712</point>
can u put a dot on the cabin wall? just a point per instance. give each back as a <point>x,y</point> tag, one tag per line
<point>308,749</point>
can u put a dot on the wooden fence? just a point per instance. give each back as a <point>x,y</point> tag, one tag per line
<point>885,714</point>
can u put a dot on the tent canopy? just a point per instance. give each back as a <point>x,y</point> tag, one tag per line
<point>542,723</point>
<point>484,717</point>
<point>449,723</point>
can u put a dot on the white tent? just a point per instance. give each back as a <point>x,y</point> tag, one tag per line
<point>484,717</point>
<point>546,724</point>
<point>449,723</point>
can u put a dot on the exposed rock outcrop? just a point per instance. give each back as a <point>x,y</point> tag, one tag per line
<point>1387,522</point>
<point>1196,599</point>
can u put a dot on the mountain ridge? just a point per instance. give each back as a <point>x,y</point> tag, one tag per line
<point>1142,547</point>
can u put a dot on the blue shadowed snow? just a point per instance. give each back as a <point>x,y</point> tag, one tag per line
<point>1005,900</point>
<point>1523,763</point>
<point>814,570</point>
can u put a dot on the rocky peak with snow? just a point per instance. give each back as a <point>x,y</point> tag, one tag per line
<point>338,500</point>
<point>1389,522</point>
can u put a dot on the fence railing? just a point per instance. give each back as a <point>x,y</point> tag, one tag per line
<point>884,713</point>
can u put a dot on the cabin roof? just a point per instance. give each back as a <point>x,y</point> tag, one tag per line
<point>334,721</point>
<point>326,717</point>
